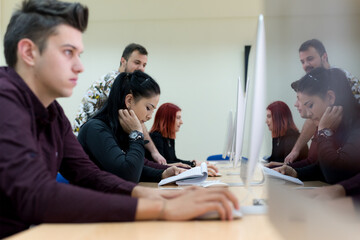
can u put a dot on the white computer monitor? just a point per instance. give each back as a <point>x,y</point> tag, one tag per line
<point>229,136</point>
<point>239,123</point>
<point>235,136</point>
<point>258,106</point>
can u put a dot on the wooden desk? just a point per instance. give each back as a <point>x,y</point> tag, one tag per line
<point>249,227</point>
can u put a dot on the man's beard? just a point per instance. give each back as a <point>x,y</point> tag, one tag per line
<point>309,68</point>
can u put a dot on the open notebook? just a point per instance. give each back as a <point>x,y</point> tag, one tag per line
<point>193,176</point>
<point>275,174</point>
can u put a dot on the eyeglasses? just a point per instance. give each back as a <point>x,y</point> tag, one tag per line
<point>313,78</point>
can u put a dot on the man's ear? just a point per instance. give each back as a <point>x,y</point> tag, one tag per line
<point>324,57</point>
<point>122,61</point>
<point>331,97</point>
<point>129,100</point>
<point>26,51</point>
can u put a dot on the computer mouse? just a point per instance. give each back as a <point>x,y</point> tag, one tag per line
<point>214,215</point>
<point>211,184</point>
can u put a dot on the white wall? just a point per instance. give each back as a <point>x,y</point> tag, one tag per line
<point>196,52</point>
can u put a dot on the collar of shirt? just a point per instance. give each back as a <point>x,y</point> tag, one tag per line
<point>43,115</point>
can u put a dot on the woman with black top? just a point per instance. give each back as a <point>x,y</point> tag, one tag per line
<point>329,102</point>
<point>283,130</point>
<point>163,133</point>
<point>114,138</point>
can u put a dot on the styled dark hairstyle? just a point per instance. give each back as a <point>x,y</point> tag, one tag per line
<point>282,118</point>
<point>165,120</point>
<point>320,80</point>
<point>319,47</point>
<point>129,49</point>
<point>139,84</point>
<point>37,20</point>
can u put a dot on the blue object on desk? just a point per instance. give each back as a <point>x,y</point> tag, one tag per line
<point>217,157</point>
<point>61,179</point>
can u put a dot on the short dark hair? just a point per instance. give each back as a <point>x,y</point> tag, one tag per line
<point>315,43</point>
<point>129,49</point>
<point>138,83</point>
<point>37,20</point>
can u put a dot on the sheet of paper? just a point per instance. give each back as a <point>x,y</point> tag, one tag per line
<point>275,174</point>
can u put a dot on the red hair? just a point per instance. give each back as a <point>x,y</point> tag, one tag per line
<point>281,118</point>
<point>165,120</point>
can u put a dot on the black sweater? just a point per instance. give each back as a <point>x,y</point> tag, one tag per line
<point>282,146</point>
<point>166,147</point>
<point>126,162</point>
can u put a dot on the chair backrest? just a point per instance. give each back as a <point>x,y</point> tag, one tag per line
<point>61,179</point>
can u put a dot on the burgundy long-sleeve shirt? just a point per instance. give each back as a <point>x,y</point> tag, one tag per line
<point>37,142</point>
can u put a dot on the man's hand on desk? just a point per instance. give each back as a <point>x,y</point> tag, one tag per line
<point>156,193</point>
<point>291,157</point>
<point>198,201</point>
<point>189,203</point>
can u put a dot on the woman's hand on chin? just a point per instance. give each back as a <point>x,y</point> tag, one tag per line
<point>331,118</point>
<point>129,121</point>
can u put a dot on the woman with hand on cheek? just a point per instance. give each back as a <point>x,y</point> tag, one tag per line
<point>331,105</point>
<point>114,138</point>
<point>163,133</point>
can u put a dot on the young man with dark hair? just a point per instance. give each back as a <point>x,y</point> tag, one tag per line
<point>134,57</point>
<point>43,43</point>
<point>313,55</point>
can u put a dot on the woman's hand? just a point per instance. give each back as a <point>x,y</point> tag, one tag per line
<point>172,171</point>
<point>286,170</point>
<point>179,164</point>
<point>212,170</point>
<point>273,164</point>
<point>129,121</point>
<point>331,118</point>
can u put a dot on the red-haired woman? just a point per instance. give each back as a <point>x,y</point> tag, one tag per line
<point>163,133</point>
<point>283,130</point>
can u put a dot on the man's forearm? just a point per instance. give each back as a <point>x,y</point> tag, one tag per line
<point>307,132</point>
<point>150,146</point>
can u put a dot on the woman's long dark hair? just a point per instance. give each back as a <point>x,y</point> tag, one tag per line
<point>139,84</point>
<point>320,80</point>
